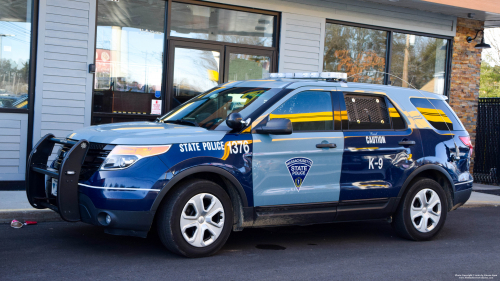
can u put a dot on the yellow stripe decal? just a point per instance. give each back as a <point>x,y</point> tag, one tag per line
<point>433,115</point>
<point>393,113</point>
<point>305,117</point>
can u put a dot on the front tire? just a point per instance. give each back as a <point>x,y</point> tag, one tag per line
<point>422,213</point>
<point>196,219</point>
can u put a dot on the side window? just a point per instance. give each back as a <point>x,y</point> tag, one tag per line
<point>438,113</point>
<point>366,112</point>
<point>308,111</point>
<point>398,123</point>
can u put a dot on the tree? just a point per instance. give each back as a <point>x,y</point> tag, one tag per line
<point>490,81</point>
<point>490,66</point>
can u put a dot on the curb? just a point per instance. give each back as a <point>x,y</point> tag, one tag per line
<point>22,215</point>
<point>480,204</point>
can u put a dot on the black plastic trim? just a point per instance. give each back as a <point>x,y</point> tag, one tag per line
<point>130,223</point>
<point>366,209</point>
<point>295,214</point>
<point>461,197</point>
<point>200,169</point>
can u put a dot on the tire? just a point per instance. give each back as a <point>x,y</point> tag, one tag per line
<point>196,219</point>
<point>418,207</point>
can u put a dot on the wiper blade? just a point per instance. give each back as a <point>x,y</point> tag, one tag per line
<point>182,122</point>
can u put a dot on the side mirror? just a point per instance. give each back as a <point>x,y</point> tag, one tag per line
<point>278,126</point>
<point>234,121</point>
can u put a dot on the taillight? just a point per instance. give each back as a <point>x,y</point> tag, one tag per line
<point>466,141</point>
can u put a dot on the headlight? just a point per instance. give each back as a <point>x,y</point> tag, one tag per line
<point>122,157</point>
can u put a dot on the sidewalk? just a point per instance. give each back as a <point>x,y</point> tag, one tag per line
<point>15,205</point>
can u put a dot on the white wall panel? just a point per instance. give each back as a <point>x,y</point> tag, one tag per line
<point>63,90</point>
<point>13,145</point>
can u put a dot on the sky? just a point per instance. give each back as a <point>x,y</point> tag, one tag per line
<point>491,34</point>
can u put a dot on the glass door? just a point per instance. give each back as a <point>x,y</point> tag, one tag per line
<point>247,63</point>
<point>193,69</point>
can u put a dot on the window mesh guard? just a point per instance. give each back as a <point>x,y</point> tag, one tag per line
<point>367,110</point>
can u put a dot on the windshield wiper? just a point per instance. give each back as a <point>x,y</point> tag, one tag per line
<point>182,122</point>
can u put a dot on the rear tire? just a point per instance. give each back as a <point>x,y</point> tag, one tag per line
<point>422,212</point>
<point>196,219</point>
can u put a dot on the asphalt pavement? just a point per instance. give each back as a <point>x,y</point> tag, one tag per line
<point>468,244</point>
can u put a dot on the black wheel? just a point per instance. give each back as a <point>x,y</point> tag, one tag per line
<point>422,212</point>
<point>196,219</point>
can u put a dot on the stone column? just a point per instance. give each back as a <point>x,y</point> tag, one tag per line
<point>465,75</point>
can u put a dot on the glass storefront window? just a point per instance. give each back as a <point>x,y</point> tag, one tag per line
<point>355,51</point>
<point>247,67</point>
<point>15,42</point>
<point>195,71</point>
<point>216,24</point>
<point>129,56</point>
<point>419,61</point>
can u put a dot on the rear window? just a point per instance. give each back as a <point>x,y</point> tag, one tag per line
<point>438,113</point>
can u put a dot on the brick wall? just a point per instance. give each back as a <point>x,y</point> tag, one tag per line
<point>465,73</point>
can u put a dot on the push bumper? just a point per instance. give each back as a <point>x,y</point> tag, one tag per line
<point>130,223</point>
<point>66,201</point>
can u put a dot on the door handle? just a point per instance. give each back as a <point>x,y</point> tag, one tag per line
<point>406,143</point>
<point>326,145</point>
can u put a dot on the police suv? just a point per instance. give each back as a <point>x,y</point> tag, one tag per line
<point>282,151</point>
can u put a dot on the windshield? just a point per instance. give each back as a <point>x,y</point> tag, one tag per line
<point>210,109</point>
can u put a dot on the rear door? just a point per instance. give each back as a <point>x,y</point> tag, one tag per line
<point>291,169</point>
<point>379,148</point>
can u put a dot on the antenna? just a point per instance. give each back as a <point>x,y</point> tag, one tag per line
<point>457,152</point>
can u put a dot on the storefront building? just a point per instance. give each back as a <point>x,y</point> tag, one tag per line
<point>66,64</point>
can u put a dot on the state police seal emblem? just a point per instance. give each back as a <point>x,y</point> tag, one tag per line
<point>298,168</point>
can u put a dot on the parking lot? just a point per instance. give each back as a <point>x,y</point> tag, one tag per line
<point>468,244</point>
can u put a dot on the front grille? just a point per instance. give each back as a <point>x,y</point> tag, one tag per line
<point>93,160</point>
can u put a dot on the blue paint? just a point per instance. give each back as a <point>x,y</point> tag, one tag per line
<point>283,169</point>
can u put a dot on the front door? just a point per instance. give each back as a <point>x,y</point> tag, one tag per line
<point>379,147</point>
<point>303,167</point>
<point>194,69</point>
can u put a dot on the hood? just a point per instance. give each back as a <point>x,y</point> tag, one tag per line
<point>145,133</point>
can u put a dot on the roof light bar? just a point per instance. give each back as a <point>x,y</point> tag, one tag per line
<point>310,75</point>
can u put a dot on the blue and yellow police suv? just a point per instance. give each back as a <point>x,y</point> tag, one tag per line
<point>282,151</point>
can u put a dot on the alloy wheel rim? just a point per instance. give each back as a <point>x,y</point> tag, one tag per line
<point>425,210</point>
<point>202,220</point>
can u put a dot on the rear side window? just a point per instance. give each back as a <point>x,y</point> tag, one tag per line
<point>367,112</point>
<point>438,113</point>
<point>308,111</point>
<point>397,121</point>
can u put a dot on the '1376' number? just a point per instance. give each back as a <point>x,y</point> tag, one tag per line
<point>238,147</point>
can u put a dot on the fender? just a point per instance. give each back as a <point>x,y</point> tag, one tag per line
<point>200,169</point>
<point>417,172</point>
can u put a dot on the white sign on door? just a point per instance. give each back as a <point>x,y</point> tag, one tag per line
<point>156,107</point>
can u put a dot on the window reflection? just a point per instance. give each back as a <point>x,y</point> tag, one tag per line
<point>354,50</point>
<point>15,36</point>
<point>129,55</point>
<point>247,67</point>
<point>195,71</point>
<point>419,61</point>
<point>308,111</point>
<point>207,23</point>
